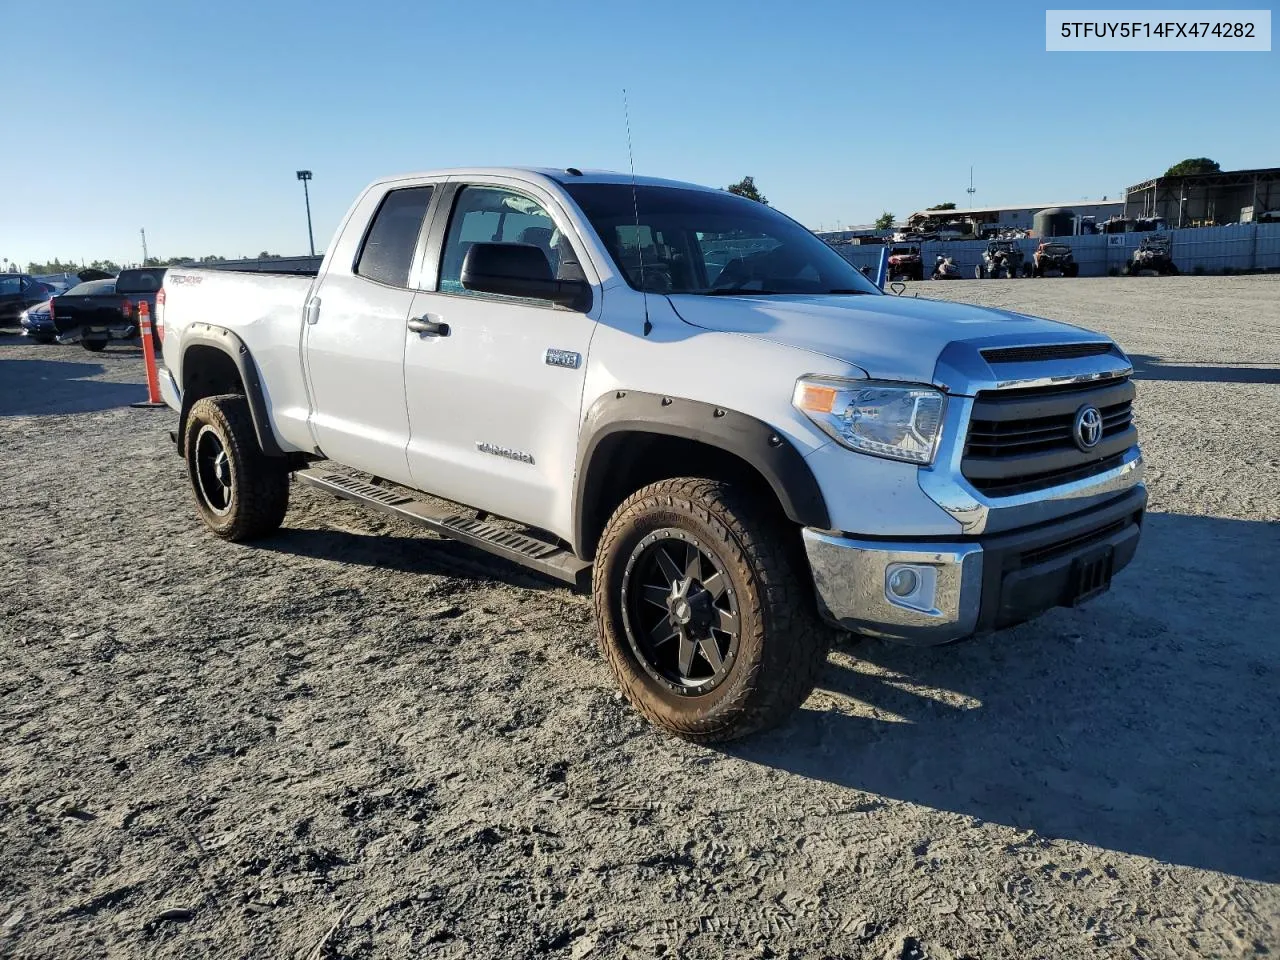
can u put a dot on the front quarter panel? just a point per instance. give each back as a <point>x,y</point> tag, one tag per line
<point>863,494</point>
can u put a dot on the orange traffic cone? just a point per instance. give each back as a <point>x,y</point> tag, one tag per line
<point>149,356</point>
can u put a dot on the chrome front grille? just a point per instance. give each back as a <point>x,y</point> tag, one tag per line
<point>1021,440</point>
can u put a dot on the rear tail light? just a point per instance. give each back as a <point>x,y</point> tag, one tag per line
<point>157,321</point>
<point>52,300</point>
<point>126,307</point>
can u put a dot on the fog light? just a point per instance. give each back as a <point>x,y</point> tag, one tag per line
<point>903,582</point>
<point>912,585</point>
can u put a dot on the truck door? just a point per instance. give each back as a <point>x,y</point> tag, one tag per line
<point>494,383</point>
<point>355,337</point>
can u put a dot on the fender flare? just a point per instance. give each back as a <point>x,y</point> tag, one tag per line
<point>227,342</point>
<point>752,440</point>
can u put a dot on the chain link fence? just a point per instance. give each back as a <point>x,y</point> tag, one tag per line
<point>1237,247</point>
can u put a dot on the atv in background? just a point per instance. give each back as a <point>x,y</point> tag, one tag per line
<point>1053,259</point>
<point>1154,255</point>
<point>944,268</point>
<point>905,262</point>
<point>1002,258</point>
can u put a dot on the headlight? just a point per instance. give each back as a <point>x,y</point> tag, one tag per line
<point>885,420</point>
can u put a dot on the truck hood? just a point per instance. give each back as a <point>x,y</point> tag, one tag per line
<point>891,338</point>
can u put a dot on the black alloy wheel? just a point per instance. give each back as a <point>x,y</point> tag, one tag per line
<point>215,482</point>
<point>681,614</point>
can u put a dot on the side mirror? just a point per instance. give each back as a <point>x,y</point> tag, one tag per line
<point>520,270</point>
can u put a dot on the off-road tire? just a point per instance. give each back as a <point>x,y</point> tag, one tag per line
<point>259,484</point>
<point>94,346</point>
<point>783,644</point>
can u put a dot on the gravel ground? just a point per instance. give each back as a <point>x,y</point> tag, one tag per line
<point>353,740</point>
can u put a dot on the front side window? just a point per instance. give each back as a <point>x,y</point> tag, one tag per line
<point>679,240</point>
<point>387,253</point>
<point>497,215</point>
<point>10,285</point>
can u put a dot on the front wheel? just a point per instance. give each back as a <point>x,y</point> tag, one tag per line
<point>241,493</point>
<point>703,613</point>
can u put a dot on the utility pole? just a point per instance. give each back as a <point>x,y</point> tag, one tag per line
<point>143,231</point>
<point>304,176</point>
<point>970,191</point>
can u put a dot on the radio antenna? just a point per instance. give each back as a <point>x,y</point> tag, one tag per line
<point>635,207</point>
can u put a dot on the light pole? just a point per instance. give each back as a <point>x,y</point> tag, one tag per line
<point>304,176</point>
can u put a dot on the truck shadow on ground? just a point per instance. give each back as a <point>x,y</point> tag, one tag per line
<point>54,387</point>
<point>1147,367</point>
<point>1144,723</point>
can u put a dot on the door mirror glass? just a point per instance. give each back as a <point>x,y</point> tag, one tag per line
<point>518,270</point>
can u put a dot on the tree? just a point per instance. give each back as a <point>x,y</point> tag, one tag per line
<point>942,206</point>
<point>1190,167</point>
<point>884,221</point>
<point>746,187</point>
<point>53,266</point>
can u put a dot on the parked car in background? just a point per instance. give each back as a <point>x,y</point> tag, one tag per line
<point>17,292</point>
<point>136,286</point>
<point>37,322</point>
<point>96,306</point>
<point>59,282</point>
<point>905,262</point>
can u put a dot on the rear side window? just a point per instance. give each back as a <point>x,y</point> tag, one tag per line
<point>388,247</point>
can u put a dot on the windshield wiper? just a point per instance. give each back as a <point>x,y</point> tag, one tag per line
<point>851,292</point>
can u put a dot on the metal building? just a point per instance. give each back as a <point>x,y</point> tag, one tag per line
<point>1208,199</point>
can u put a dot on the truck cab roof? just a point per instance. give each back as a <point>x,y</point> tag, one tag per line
<point>553,175</point>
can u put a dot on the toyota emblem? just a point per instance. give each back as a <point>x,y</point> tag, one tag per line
<point>1088,427</point>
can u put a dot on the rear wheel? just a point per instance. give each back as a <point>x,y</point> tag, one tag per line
<point>978,272</point>
<point>94,346</point>
<point>702,612</point>
<point>241,493</point>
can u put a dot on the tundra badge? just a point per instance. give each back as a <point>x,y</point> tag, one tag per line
<point>563,358</point>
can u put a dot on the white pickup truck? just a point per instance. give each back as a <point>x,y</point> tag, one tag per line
<point>679,397</point>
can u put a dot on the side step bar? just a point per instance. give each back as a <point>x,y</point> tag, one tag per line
<point>546,558</point>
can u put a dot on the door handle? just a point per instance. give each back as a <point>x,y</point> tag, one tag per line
<point>428,327</point>
<point>313,310</point>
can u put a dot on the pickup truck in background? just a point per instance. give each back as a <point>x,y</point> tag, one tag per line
<point>678,397</point>
<point>92,303</point>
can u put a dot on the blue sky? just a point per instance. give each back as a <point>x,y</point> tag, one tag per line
<point>191,118</point>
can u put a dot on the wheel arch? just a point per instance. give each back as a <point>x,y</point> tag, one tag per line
<point>215,361</point>
<point>630,439</point>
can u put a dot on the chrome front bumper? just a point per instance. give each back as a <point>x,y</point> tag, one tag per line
<point>851,578</point>
<point>969,586</point>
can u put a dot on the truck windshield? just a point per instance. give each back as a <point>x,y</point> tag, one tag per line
<point>711,243</point>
